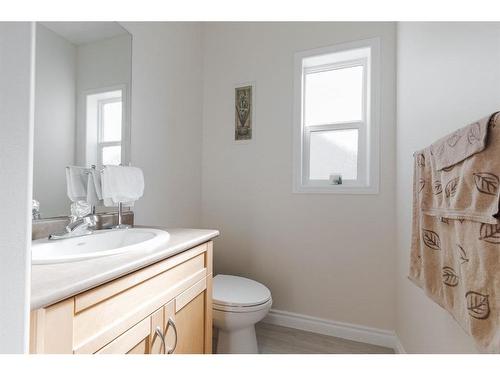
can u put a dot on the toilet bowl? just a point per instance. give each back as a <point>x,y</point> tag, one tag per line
<point>238,303</point>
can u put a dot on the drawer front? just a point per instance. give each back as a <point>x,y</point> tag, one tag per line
<point>140,339</point>
<point>188,295</point>
<point>96,295</point>
<point>135,340</point>
<point>101,323</point>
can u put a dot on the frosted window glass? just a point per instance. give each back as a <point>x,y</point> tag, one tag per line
<point>334,152</point>
<point>111,155</point>
<point>112,122</point>
<point>334,96</point>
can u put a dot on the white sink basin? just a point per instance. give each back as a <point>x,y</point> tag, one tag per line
<point>100,243</point>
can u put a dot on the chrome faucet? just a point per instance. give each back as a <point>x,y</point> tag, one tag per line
<point>78,226</point>
<point>120,215</point>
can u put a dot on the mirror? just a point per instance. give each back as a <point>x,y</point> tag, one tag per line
<point>82,104</point>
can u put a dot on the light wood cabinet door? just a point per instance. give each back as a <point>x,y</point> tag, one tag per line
<point>186,321</point>
<point>156,338</point>
<point>143,338</point>
<point>191,327</point>
<point>134,341</point>
<point>191,315</point>
<point>170,327</point>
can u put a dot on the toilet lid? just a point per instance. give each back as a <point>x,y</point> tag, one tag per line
<point>231,290</point>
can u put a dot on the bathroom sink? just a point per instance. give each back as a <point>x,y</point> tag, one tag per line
<point>98,244</point>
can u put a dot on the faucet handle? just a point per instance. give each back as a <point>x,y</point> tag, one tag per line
<point>82,223</point>
<point>92,220</point>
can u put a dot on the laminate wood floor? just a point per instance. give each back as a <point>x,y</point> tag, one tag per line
<point>274,339</point>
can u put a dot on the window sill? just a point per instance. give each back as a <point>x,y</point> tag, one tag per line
<point>336,189</point>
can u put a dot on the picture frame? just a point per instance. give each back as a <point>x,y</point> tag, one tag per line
<point>244,112</point>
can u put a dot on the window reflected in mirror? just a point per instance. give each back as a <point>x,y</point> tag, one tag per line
<point>104,125</point>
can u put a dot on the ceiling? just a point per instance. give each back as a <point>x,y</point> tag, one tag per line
<point>85,32</point>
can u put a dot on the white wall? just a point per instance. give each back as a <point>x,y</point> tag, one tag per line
<point>325,255</point>
<point>448,76</point>
<point>54,149</point>
<point>16,145</point>
<point>104,63</point>
<point>166,121</point>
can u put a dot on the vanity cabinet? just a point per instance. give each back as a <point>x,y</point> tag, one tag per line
<point>164,308</point>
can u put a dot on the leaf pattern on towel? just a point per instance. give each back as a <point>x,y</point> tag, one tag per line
<point>450,277</point>
<point>451,187</point>
<point>463,254</point>
<point>478,305</point>
<point>437,187</point>
<point>486,183</point>
<point>421,160</point>
<point>431,239</point>
<point>453,139</point>
<point>421,185</point>
<point>490,233</point>
<point>440,150</point>
<point>474,133</point>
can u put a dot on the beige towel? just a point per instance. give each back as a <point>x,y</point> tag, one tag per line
<point>455,250</point>
<point>466,190</point>
<point>461,144</point>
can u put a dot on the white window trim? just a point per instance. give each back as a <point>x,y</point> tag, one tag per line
<point>369,139</point>
<point>126,121</point>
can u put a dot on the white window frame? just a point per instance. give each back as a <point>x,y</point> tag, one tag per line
<point>86,156</point>
<point>368,131</point>
<point>100,129</point>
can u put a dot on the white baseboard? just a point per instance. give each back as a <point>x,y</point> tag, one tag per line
<point>354,332</point>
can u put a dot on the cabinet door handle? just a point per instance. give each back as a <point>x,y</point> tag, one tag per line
<point>162,338</point>
<point>172,323</point>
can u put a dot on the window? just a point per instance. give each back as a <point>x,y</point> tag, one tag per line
<point>109,147</point>
<point>105,127</point>
<point>336,130</point>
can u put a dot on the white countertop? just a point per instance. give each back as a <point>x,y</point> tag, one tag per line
<point>51,283</point>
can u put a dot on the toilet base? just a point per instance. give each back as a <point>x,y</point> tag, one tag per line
<point>242,341</point>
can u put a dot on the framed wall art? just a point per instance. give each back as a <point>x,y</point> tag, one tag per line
<point>244,112</point>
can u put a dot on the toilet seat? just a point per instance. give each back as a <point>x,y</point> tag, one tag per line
<point>239,294</point>
<point>242,309</point>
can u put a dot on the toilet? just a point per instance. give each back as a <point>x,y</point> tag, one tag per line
<point>238,303</point>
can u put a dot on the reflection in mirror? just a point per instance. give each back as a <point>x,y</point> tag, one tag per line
<point>82,104</point>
